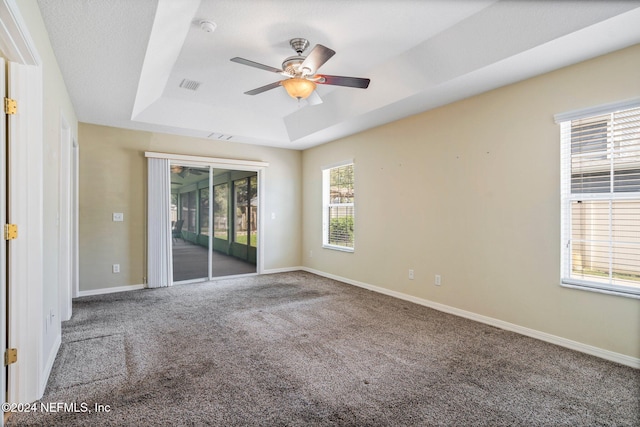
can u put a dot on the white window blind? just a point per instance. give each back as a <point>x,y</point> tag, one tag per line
<point>601,202</point>
<point>159,249</point>
<point>339,207</point>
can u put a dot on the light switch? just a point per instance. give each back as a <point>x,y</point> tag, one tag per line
<point>118,216</point>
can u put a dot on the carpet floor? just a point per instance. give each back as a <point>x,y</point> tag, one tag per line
<point>295,349</point>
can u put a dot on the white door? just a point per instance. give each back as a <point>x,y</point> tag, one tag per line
<point>21,187</point>
<point>3,244</point>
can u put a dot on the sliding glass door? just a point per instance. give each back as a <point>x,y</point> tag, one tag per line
<point>214,215</point>
<point>190,222</point>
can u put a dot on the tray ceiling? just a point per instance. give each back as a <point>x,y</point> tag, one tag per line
<point>134,64</point>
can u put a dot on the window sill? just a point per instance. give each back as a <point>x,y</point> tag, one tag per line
<point>338,248</point>
<point>593,287</point>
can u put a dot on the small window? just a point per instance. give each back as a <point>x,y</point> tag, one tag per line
<point>241,191</point>
<point>338,207</point>
<point>246,207</point>
<point>204,211</point>
<point>191,219</point>
<point>601,202</point>
<point>221,211</point>
<point>188,207</point>
<point>253,211</point>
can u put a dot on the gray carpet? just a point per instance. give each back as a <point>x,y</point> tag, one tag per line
<point>102,358</point>
<point>295,349</point>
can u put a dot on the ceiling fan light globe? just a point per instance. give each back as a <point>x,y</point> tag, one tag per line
<point>299,88</point>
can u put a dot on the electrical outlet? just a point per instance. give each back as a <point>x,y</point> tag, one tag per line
<point>116,268</point>
<point>310,254</point>
<point>410,274</point>
<point>438,280</point>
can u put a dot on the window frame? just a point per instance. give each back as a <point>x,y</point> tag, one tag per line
<point>326,205</point>
<point>569,198</point>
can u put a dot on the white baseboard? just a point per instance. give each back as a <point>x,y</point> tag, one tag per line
<point>543,336</point>
<point>110,290</point>
<point>46,372</point>
<point>282,270</point>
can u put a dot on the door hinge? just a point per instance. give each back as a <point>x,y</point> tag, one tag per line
<point>10,231</point>
<point>10,356</point>
<point>10,106</point>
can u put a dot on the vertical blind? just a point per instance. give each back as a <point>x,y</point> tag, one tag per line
<point>159,261</point>
<point>601,201</point>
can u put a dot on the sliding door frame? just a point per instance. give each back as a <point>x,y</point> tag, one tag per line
<point>221,163</point>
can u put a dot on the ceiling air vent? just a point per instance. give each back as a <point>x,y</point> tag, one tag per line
<point>221,136</point>
<point>190,84</point>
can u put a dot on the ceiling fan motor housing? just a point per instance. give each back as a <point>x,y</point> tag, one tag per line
<point>291,65</point>
<point>299,45</point>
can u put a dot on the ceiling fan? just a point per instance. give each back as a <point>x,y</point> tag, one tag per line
<point>183,171</point>
<point>301,71</point>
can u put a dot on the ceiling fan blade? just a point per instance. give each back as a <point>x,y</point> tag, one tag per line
<point>316,58</point>
<point>356,82</point>
<point>255,65</point>
<point>263,88</point>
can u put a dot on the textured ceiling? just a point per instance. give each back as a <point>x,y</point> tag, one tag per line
<point>123,61</point>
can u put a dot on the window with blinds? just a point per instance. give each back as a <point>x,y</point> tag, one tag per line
<point>338,207</point>
<point>601,202</point>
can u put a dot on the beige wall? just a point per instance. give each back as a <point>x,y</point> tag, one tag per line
<point>471,191</point>
<point>113,178</point>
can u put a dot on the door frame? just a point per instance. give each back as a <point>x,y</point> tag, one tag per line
<point>65,220</point>
<point>75,218</point>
